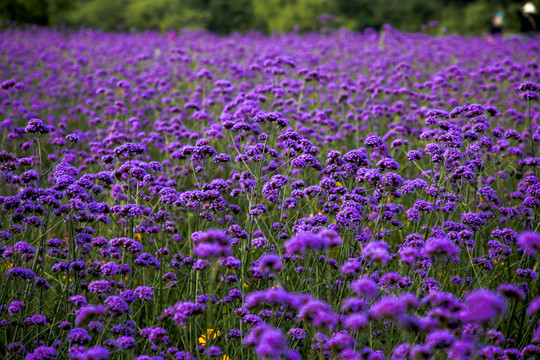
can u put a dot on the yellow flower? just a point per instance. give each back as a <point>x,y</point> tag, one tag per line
<point>225,357</point>
<point>210,333</point>
<point>138,237</point>
<point>339,184</point>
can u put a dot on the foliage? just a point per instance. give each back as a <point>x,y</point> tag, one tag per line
<point>284,15</point>
<point>226,16</point>
<point>102,14</point>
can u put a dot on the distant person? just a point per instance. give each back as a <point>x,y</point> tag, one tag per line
<point>497,23</point>
<point>530,21</point>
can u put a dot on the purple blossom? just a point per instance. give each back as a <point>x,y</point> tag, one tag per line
<point>79,336</point>
<point>366,288</point>
<point>211,244</point>
<point>37,319</point>
<point>36,126</point>
<point>301,242</point>
<point>483,306</point>
<point>440,246</point>
<point>117,306</point>
<point>89,313</point>
<point>181,311</point>
<point>144,293</point>
<point>15,307</point>
<point>130,149</point>
<point>389,308</point>
<point>96,353</point>
<point>373,141</point>
<point>268,342</point>
<point>377,251</point>
<point>529,96</point>
<point>43,353</point>
<point>270,263</point>
<point>530,241</point>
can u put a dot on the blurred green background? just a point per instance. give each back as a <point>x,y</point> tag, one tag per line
<point>268,16</point>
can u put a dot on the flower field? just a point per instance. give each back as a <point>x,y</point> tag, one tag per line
<point>331,195</point>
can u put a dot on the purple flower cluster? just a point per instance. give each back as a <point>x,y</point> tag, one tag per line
<point>211,244</point>
<point>320,196</point>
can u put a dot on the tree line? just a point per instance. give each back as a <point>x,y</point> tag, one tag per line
<point>268,16</point>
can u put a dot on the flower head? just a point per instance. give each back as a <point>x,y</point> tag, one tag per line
<point>483,306</point>
<point>530,241</point>
<point>36,126</point>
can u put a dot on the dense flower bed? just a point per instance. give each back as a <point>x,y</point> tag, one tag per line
<point>338,195</point>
